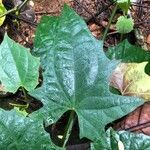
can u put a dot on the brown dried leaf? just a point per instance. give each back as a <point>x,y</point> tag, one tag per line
<point>1,88</point>
<point>130,79</point>
<point>137,121</point>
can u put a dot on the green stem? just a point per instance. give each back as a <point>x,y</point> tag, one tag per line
<point>22,4</point>
<point>109,23</point>
<point>24,93</point>
<point>68,129</point>
<point>8,12</point>
<point>17,8</point>
<point>121,37</point>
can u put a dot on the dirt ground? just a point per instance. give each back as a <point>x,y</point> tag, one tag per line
<point>96,13</point>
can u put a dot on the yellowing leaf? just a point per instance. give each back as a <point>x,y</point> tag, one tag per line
<point>2,10</point>
<point>130,79</point>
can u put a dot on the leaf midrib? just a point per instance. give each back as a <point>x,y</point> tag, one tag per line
<point>16,66</point>
<point>72,101</point>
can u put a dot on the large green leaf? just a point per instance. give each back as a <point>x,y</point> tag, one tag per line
<point>22,133</point>
<point>76,73</point>
<point>122,140</point>
<point>17,66</point>
<point>128,53</point>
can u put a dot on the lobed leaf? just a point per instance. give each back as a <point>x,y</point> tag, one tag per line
<point>23,133</point>
<point>127,52</point>
<point>17,66</point>
<point>76,75</point>
<point>2,10</point>
<point>122,140</point>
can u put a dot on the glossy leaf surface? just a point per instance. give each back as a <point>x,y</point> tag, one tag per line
<point>123,139</point>
<point>127,52</point>
<point>76,75</point>
<point>22,133</point>
<point>2,10</point>
<point>17,66</point>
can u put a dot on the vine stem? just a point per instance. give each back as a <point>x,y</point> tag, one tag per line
<point>68,128</point>
<point>22,4</point>
<point>109,23</point>
<point>17,8</point>
<point>24,93</point>
<point>121,37</point>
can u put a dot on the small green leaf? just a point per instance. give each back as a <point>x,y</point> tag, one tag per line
<point>122,139</point>
<point>124,24</point>
<point>126,52</point>
<point>76,75</point>
<point>2,10</point>
<point>17,66</point>
<point>23,133</point>
<point>124,5</point>
<point>21,111</point>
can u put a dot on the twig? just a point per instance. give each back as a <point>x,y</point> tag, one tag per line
<point>142,22</point>
<point>111,33</point>
<point>46,12</point>
<point>22,4</point>
<point>139,5</point>
<point>19,34</point>
<point>33,24</point>
<point>84,8</point>
<point>100,11</point>
<point>17,8</point>
<point>140,10</point>
<point>9,11</point>
<point>139,126</point>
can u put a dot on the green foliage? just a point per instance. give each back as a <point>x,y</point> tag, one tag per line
<point>22,133</point>
<point>130,141</point>
<point>124,5</point>
<point>127,52</point>
<point>2,10</point>
<point>75,77</point>
<point>17,66</point>
<point>76,73</point>
<point>124,24</point>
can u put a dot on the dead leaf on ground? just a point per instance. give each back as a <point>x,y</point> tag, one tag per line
<point>130,79</point>
<point>138,121</point>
